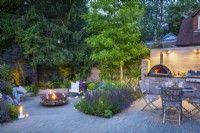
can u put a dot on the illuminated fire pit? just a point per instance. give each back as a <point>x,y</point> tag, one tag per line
<point>53,97</point>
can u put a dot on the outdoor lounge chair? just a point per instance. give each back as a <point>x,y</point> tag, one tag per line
<point>20,93</point>
<point>78,87</point>
<point>74,88</point>
<point>172,98</point>
<point>148,98</point>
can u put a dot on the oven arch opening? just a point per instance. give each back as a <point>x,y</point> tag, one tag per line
<point>160,71</point>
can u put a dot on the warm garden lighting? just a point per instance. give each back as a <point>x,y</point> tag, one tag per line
<point>167,52</point>
<point>21,110</point>
<point>26,114</point>
<point>53,96</point>
<point>197,50</point>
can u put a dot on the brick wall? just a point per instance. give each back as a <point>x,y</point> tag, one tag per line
<point>145,67</point>
<point>195,21</point>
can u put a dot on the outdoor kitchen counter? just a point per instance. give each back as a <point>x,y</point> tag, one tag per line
<point>152,84</point>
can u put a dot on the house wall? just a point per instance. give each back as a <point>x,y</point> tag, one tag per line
<point>195,21</point>
<point>179,59</point>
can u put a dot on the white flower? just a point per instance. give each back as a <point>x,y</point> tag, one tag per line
<point>0,95</point>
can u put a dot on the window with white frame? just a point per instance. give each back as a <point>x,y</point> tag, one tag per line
<point>198,22</point>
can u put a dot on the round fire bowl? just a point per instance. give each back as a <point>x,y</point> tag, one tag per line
<point>53,98</point>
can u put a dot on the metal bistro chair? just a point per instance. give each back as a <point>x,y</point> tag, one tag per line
<point>148,98</point>
<point>195,101</point>
<point>172,97</point>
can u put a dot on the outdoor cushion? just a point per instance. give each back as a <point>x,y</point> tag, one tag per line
<point>153,97</point>
<point>172,104</point>
<point>21,90</point>
<point>74,87</point>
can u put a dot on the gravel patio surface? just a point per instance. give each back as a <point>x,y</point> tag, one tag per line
<point>66,119</point>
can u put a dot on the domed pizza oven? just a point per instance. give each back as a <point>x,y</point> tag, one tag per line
<point>160,71</point>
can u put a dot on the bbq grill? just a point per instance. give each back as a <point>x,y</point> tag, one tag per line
<point>193,76</point>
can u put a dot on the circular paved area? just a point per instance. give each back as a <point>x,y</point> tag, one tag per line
<point>66,119</point>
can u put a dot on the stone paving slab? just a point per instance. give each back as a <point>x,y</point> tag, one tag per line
<point>66,119</point>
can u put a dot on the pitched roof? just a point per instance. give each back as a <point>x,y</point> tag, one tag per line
<point>195,12</point>
<point>169,36</point>
<point>169,40</point>
<point>187,36</point>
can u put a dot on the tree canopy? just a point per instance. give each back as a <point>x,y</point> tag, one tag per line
<point>47,31</point>
<point>115,31</point>
<point>164,16</point>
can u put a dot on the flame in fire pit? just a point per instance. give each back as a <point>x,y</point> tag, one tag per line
<point>53,96</point>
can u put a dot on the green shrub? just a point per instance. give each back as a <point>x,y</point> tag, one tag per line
<point>8,111</point>
<point>5,72</point>
<point>61,84</point>
<point>57,84</point>
<point>91,86</point>
<point>48,84</point>
<point>13,111</point>
<point>8,90</point>
<point>41,85</point>
<point>32,88</point>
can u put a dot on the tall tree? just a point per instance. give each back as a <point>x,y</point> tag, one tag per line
<point>42,40</point>
<point>154,24</point>
<point>115,32</point>
<point>47,31</point>
<point>9,11</point>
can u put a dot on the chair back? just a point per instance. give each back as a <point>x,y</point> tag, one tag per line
<point>74,87</point>
<point>142,87</point>
<point>172,94</point>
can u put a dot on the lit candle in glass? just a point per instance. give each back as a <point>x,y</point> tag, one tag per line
<point>21,115</point>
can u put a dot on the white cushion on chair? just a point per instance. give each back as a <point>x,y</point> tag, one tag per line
<point>21,90</point>
<point>74,87</point>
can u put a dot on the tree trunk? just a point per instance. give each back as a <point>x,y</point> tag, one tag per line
<point>121,71</point>
<point>34,72</point>
<point>34,75</point>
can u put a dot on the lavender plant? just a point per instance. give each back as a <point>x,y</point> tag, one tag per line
<point>106,102</point>
<point>4,112</point>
